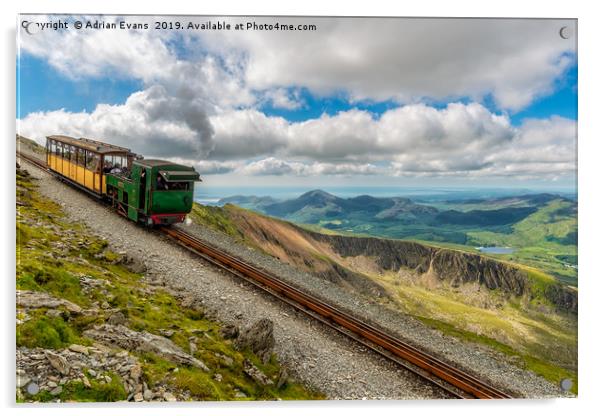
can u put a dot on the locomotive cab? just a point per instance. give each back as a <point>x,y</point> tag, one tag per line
<point>155,192</point>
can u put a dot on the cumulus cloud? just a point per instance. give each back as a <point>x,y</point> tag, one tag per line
<point>460,139</point>
<point>282,98</point>
<point>358,135</point>
<point>150,121</point>
<point>278,167</point>
<point>513,60</point>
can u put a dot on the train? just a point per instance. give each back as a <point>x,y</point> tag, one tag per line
<point>148,191</point>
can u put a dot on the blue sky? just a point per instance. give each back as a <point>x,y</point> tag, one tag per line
<point>43,88</point>
<point>40,87</point>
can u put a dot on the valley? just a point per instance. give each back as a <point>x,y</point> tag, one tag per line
<point>540,230</point>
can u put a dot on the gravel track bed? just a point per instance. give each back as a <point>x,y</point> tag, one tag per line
<point>314,354</point>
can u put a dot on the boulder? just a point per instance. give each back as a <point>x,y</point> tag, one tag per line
<point>259,338</point>
<point>128,339</point>
<point>59,362</point>
<point>34,300</point>
<point>133,264</point>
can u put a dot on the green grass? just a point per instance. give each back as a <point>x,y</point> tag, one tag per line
<point>52,255</point>
<point>47,332</point>
<point>216,218</point>
<point>544,342</point>
<point>76,391</point>
<point>551,372</point>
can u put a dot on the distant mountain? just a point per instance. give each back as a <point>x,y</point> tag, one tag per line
<point>485,217</point>
<point>246,201</point>
<point>518,200</point>
<point>317,205</point>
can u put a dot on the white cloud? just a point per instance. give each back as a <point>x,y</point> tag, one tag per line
<point>281,98</point>
<point>460,139</point>
<point>356,135</point>
<point>408,60</point>
<point>513,60</point>
<point>150,121</point>
<point>278,167</point>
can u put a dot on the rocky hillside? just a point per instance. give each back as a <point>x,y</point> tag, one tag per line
<point>327,255</point>
<point>91,327</point>
<point>455,267</point>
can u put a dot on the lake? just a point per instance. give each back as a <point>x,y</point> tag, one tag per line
<point>496,250</point>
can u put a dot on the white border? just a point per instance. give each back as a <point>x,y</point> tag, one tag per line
<point>589,194</point>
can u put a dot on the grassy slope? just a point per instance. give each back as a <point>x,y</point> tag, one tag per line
<point>40,267</point>
<point>538,339</point>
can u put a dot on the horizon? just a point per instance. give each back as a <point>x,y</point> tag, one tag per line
<point>213,195</point>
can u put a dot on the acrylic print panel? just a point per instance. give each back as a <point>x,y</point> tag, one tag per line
<point>295,208</point>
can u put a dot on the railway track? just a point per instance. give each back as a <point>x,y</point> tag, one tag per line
<point>457,383</point>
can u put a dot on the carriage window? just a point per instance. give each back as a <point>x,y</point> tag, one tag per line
<point>118,161</point>
<point>92,161</point>
<point>81,157</point>
<point>58,149</point>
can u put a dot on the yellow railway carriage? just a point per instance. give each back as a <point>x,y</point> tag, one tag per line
<point>84,162</point>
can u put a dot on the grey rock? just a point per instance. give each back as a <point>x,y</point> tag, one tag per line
<point>256,374</point>
<point>59,362</point>
<point>169,397</point>
<point>54,313</point>
<point>123,337</point>
<point>138,397</point>
<point>240,395</point>
<point>79,348</point>
<point>227,360</point>
<point>167,332</point>
<point>136,372</point>
<point>282,378</point>
<point>56,391</point>
<point>259,338</point>
<point>34,300</point>
<point>118,318</point>
<point>22,381</point>
<point>148,395</point>
<point>133,264</point>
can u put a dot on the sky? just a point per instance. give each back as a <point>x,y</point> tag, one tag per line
<point>355,102</point>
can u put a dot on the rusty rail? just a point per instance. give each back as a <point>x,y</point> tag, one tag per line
<point>454,381</point>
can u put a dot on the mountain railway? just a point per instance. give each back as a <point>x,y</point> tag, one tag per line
<point>455,382</point>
